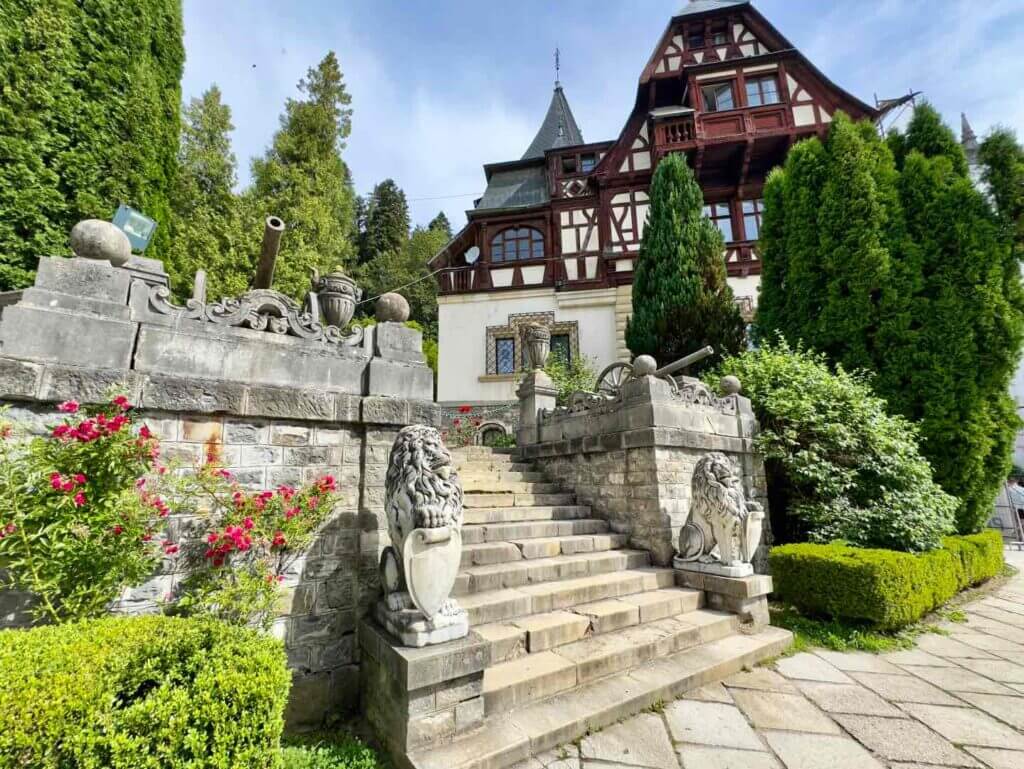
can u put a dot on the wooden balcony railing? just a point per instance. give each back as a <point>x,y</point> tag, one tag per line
<point>675,131</point>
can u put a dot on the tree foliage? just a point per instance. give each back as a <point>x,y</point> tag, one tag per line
<point>440,222</point>
<point>1002,160</point>
<point>89,118</point>
<point>387,221</point>
<point>681,300</point>
<point>207,228</point>
<point>906,273</point>
<point>303,180</point>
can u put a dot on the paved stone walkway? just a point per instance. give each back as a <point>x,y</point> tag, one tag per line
<point>956,700</point>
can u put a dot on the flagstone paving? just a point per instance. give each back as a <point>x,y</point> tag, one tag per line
<point>957,700</point>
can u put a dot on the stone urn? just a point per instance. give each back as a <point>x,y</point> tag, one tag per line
<point>538,345</point>
<point>100,240</point>
<point>338,295</point>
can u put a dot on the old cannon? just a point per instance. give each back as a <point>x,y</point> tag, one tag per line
<point>611,379</point>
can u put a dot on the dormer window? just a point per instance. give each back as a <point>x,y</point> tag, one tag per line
<point>516,244</point>
<point>718,96</point>
<point>719,33</point>
<point>568,164</point>
<point>695,37</point>
<point>588,162</point>
<point>762,90</point>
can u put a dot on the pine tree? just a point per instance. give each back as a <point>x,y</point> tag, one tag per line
<point>441,223</point>
<point>89,118</point>
<point>681,300</point>
<point>387,221</point>
<point>1002,160</point>
<point>206,231</point>
<point>303,180</point>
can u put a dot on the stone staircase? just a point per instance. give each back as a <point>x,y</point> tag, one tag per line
<point>581,629</point>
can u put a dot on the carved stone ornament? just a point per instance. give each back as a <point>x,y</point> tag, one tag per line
<point>723,530</point>
<point>260,310</point>
<point>337,294</point>
<point>423,504</point>
<point>538,345</point>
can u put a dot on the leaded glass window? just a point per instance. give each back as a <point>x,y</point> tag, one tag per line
<point>505,356</point>
<point>561,346</point>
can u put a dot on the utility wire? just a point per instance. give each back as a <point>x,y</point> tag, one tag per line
<point>410,283</point>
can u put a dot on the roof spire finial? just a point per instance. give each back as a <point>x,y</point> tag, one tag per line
<point>558,66</point>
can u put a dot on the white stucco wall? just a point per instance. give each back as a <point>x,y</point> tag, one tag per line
<point>462,335</point>
<point>745,287</point>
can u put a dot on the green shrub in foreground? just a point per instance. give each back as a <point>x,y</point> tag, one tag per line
<point>141,692</point>
<point>887,588</point>
<point>347,753</point>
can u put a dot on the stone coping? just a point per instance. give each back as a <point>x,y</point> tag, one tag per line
<point>668,437</point>
<point>52,383</point>
<point>416,668</point>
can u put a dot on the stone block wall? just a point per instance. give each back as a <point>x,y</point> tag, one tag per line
<point>632,458</point>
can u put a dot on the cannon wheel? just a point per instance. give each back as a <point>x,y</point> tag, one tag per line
<point>610,380</point>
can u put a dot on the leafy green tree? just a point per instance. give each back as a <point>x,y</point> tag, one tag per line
<point>681,300</point>
<point>406,272</point>
<point>206,231</point>
<point>569,376</point>
<point>303,180</point>
<point>927,134</point>
<point>440,222</point>
<point>387,221</point>
<point>89,118</point>
<point>1002,160</point>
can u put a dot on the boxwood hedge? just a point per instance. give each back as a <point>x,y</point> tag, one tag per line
<point>886,588</point>
<point>153,692</point>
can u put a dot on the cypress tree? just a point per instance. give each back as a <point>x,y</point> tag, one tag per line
<point>927,134</point>
<point>387,221</point>
<point>303,179</point>
<point>441,223</point>
<point>681,300</point>
<point>1002,161</point>
<point>89,118</point>
<point>206,231</point>
<point>775,284</point>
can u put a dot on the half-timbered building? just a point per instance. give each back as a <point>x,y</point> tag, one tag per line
<point>556,233</point>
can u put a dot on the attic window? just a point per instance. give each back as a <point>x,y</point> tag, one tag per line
<point>719,33</point>
<point>568,164</point>
<point>762,90</point>
<point>588,161</point>
<point>718,96</point>
<point>695,36</point>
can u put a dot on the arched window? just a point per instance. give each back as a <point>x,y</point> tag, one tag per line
<point>517,243</point>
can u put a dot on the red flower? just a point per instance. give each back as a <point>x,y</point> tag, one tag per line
<point>326,484</point>
<point>118,530</point>
<point>147,537</point>
<point>68,407</point>
<point>79,479</point>
<point>56,481</point>
<point>291,512</point>
<point>79,499</point>
<point>286,492</point>
<point>122,403</point>
<point>313,502</point>
<point>465,409</point>
<point>67,486</point>
<point>224,474</point>
<point>279,540</point>
<point>239,498</point>
<point>456,422</point>
<point>170,548</point>
<point>211,538</point>
<point>139,484</point>
<point>248,523</point>
<point>61,431</point>
<point>145,433</point>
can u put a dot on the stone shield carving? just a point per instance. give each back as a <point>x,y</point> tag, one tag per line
<point>423,503</point>
<point>431,562</point>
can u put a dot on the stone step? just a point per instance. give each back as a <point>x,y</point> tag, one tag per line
<point>486,515</point>
<point>474,534</point>
<point>507,739</point>
<point>515,574</point>
<point>483,486</point>
<point>541,632</point>
<point>539,675</point>
<point>515,476</point>
<point>479,467</point>
<point>519,500</point>
<point>499,605</point>
<point>488,553</point>
<point>482,451</point>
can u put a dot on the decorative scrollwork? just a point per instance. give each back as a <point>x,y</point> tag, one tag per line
<point>260,310</point>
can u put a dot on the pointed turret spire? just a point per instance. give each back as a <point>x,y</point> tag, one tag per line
<point>559,128</point>
<point>968,140</point>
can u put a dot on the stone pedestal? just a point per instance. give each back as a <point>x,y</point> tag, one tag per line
<point>411,628</point>
<point>716,569</point>
<point>745,596</point>
<point>536,392</point>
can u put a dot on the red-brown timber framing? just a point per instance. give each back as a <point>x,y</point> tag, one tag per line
<point>731,152</point>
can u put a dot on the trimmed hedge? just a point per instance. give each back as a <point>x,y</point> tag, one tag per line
<point>885,587</point>
<point>141,692</point>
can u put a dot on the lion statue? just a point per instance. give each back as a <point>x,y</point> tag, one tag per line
<point>723,527</point>
<point>423,495</point>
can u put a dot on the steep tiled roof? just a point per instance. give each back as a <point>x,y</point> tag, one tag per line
<point>559,128</point>
<point>700,6</point>
<point>517,187</point>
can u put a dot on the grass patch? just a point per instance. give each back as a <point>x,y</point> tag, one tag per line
<point>839,635</point>
<point>329,750</point>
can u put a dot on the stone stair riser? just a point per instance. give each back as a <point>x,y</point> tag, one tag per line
<point>513,532</point>
<point>518,500</point>
<point>481,515</point>
<point>501,476</point>
<point>488,487</point>
<point>489,553</point>
<point>480,579</point>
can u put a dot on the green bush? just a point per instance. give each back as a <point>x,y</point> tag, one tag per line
<point>344,753</point>
<point>839,466</point>
<point>141,693</point>
<point>886,588</point>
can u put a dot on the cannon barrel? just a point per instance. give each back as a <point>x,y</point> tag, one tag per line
<point>268,253</point>
<point>689,360</point>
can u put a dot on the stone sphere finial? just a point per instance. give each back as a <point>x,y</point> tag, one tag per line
<point>644,365</point>
<point>392,308</point>
<point>730,385</point>
<point>100,240</point>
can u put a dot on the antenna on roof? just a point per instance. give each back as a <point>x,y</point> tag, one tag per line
<point>558,66</point>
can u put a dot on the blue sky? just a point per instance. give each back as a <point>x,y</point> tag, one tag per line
<point>440,87</point>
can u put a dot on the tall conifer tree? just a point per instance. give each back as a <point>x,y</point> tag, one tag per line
<point>89,118</point>
<point>1002,161</point>
<point>303,179</point>
<point>387,221</point>
<point>441,223</point>
<point>681,300</point>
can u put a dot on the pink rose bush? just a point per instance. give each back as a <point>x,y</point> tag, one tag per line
<point>75,530</point>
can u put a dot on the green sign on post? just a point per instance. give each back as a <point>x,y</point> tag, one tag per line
<point>137,226</point>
